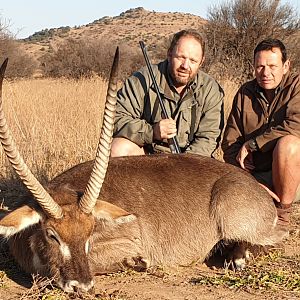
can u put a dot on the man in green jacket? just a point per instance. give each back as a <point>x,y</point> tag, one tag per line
<point>262,134</point>
<point>193,101</point>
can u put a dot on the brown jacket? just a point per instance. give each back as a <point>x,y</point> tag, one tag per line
<point>252,116</point>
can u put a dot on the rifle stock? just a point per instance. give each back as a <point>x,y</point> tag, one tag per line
<point>172,142</point>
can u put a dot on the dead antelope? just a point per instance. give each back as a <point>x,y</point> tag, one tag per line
<point>149,210</point>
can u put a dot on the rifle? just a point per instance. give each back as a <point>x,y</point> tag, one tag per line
<point>172,142</point>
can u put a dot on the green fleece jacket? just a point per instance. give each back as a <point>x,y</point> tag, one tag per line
<point>138,110</point>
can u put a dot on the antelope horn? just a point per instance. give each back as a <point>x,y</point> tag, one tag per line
<point>51,208</point>
<point>93,188</point>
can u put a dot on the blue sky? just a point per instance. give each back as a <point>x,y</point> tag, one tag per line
<point>24,18</point>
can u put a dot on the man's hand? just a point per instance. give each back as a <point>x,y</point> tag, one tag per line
<point>164,129</point>
<point>244,157</point>
<point>272,194</point>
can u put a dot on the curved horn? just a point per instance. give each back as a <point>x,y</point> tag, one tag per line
<point>92,191</point>
<point>43,198</point>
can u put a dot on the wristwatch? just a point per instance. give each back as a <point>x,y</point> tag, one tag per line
<point>253,145</point>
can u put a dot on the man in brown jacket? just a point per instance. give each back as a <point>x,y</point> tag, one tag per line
<point>262,134</point>
<point>193,101</point>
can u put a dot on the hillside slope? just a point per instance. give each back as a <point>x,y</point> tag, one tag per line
<point>129,27</point>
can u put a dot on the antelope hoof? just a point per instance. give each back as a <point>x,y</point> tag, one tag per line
<point>138,263</point>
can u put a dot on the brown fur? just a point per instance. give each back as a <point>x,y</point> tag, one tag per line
<point>163,209</point>
<point>175,198</point>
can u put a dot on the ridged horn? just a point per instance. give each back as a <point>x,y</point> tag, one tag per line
<point>93,188</point>
<point>50,207</point>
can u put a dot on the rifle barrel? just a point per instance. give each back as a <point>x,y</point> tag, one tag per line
<point>172,142</point>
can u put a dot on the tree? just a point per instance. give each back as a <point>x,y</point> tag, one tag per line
<point>234,28</point>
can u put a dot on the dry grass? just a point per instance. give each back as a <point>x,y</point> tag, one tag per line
<point>273,271</point>
<point>3,279</point>
<point>230,89</point>
<point>44,288</point>
<point>55,123</point>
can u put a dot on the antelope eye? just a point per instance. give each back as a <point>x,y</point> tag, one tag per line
<point>51,235</point>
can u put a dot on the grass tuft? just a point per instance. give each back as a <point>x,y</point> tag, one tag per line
<point>3,279</point>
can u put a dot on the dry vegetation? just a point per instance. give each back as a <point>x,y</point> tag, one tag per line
<point>232,29</point>
<point>129,27</point>
<point>235,27</point>
<point>86,50</point>
<point>56,124</point>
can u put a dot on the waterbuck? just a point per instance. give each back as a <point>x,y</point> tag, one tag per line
<point>144,211</point>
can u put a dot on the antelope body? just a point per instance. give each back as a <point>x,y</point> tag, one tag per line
<point>174,210</point>
<point>150,210</point>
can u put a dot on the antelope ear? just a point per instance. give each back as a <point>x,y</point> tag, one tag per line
<point>108,211</point>
<point>18,220</point>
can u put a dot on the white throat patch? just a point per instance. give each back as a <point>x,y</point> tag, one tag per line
<point>65,251</point>
<point>87,247</point>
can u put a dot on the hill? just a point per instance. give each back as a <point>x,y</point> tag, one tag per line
<point>129,27</point>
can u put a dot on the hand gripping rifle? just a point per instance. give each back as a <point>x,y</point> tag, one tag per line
<point>172,142</point>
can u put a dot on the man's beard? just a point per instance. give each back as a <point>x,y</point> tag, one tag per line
<point>180,81</point>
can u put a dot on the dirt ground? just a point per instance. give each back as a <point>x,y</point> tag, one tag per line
<point>179,284</point>
<point>272,276</point>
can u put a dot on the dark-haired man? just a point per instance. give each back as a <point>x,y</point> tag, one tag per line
<point>262,134</point>
<point>193,101</point>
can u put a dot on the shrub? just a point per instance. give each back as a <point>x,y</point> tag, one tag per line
<point>20,63</point>
<point>236,27</point>
<point>84,57</point>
